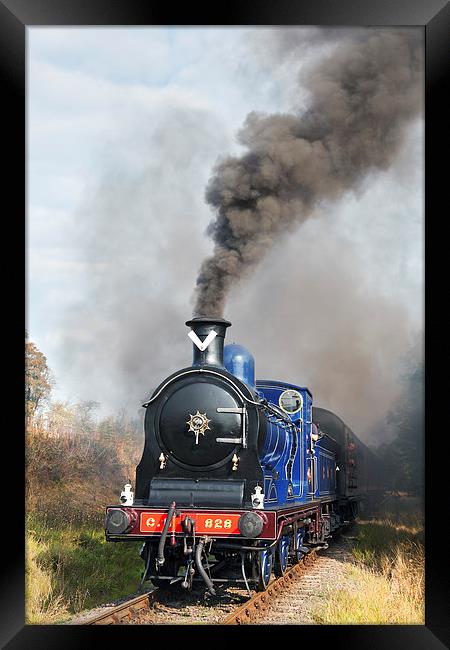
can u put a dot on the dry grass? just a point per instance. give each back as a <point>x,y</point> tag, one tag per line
<point>386,584</point>
<point>72,568</point>
<point>43,605</point>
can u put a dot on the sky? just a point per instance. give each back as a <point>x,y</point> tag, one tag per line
<point>124,128</point>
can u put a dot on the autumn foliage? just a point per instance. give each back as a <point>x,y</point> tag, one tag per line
<point>38,381</point>
<point>76,464</point>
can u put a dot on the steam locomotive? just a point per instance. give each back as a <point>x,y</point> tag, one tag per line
<point>238,478</point>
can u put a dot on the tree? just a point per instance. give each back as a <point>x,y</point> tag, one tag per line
<point>61,421</point>
<point>38,380</point>
<point>404,455</point>
<point>84,416</point>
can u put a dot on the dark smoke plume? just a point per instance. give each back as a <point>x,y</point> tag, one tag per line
<point>363,96</point>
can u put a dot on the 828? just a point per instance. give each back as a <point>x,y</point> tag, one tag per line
<point>218,523</point>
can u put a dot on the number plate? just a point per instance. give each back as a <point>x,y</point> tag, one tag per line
<point>205,523</point>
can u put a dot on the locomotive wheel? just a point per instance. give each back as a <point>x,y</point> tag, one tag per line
<point>281,556</point>
<point>265,565</point>
<point>298,554</point>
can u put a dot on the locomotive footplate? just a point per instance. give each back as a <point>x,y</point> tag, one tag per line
<point>145,522</point>
<point>149,522</point>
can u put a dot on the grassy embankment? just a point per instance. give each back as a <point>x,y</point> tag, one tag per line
<point>386,583</point>
<point>69,566</point>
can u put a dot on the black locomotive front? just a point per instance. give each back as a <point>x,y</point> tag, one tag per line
<point>202,431</point>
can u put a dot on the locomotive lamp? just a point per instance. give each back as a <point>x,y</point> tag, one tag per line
<point>258,497</point>
<point>126,496</point>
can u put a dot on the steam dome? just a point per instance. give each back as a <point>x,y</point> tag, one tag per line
<point>240,363</point>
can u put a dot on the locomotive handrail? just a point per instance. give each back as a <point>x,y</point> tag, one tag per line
<point>200,370</point>
<point>278,414</point>
<point>259,404</point>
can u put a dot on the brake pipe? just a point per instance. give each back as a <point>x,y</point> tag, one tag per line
<point>200,567</point>
<point>160,556</point>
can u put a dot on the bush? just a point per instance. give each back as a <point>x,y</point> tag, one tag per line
<point>72,480</point>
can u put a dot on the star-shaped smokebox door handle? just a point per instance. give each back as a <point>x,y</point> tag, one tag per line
<point>198,423</point>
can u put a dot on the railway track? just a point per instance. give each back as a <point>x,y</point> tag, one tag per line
<point>288,599</point>
<point>258,604</point>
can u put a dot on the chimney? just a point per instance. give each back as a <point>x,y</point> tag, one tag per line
<point>202,327</point>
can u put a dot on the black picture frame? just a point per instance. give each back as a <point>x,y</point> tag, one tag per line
<point>433,16</point>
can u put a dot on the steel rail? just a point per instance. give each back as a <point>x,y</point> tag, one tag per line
<point>258,604</point>
<point>117,614</point>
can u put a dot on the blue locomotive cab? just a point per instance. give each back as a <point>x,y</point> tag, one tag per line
<point>284,456</point>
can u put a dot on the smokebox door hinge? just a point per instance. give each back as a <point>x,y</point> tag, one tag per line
<point>241,411</point>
